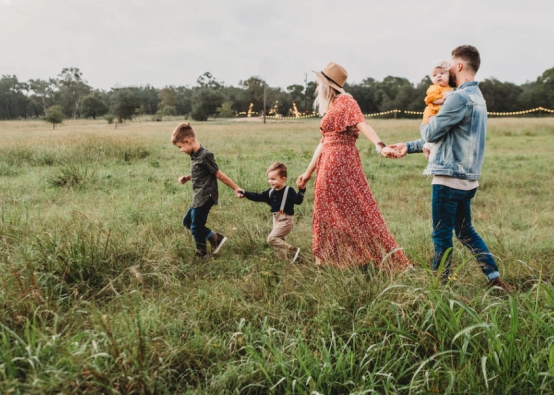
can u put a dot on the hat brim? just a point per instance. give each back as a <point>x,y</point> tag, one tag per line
<point>331,83</point>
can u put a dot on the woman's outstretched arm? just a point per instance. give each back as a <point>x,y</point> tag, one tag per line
<point>304,178</point>
<point>372,136</point>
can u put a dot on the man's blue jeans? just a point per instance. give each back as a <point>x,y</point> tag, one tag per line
<point>195,220</point>
<point>451,210</point>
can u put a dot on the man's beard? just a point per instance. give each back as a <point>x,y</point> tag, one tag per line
<point>452,81</point>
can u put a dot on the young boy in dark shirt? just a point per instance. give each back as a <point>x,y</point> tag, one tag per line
<point>204,174</point>
<point>282,199</point>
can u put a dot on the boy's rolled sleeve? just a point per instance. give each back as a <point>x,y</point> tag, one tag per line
<point>210,163</point>
<point>451,113</point>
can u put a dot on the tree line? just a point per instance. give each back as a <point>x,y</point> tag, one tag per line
<point>70,96</point>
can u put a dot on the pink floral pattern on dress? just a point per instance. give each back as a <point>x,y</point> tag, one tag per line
<point>348,228</point>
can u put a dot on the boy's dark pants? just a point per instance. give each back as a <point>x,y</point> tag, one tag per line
<point>195,220</point>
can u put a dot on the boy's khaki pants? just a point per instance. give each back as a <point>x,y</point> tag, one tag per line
<point>282,226</point>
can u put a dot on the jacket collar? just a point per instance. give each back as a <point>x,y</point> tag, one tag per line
<point>468,83</point>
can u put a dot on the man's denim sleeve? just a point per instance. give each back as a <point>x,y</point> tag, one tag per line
<point>451,113</point>
<point>415,146</point>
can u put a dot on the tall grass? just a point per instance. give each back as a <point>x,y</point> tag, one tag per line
<point>100,293</point>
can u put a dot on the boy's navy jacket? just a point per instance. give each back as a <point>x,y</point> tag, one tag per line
<point>277,197</point>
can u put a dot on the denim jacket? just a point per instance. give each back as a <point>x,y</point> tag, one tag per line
<point>458,135</point>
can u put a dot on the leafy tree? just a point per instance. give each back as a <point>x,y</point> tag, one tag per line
<point>148,97</point>
<point>43,92</point>
<point>205,103</point>
<point>207,80</point>
<point>13,100</point>
<point>539,93</point>
<point>310,95</point>
<point>94,105</point>
<point>239,97</point>
<point>183,104</point>
<point>54,115</point>
<point>124,103</point>
<point>365,95</point>
<point>226,111</point>
<point>72,89</point>
<point>500,96</point>
<point>168,100</point>
<point>296,93</point>
<point>254,87</point>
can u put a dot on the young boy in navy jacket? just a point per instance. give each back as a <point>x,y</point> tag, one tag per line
<point>282,199</point>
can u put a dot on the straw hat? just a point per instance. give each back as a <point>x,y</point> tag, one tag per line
<point>335,75</point>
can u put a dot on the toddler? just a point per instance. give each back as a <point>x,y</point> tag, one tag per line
<point>437,93</point>
<point>282,199</point>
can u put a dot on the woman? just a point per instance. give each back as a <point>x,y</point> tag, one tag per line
<point>348,228</point>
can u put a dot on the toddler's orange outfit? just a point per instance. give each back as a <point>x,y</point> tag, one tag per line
<point>435,92</point>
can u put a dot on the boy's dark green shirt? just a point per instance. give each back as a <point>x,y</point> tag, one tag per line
<point>204,182</point>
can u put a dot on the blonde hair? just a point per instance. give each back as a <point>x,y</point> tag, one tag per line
<point>182,131</point>
<point>325,94</point>
<point>278,166</point>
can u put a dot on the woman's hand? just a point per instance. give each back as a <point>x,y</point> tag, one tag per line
<point>303,180</point>
<point>390,152</point>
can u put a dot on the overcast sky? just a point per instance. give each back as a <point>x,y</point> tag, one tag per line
<point>163,42</point>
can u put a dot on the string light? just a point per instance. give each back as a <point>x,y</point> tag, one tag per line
<point>377,114</point>
<point>521,112</point>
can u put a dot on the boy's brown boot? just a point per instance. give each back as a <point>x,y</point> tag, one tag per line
<point>216,241</point>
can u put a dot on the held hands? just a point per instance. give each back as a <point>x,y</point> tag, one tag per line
<point>399,149</point>
<point>390,152</point>
<point>303,180</point>
<point>239,192</point>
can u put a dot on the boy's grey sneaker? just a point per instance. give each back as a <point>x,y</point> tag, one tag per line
<point>296,254</point>
<point>216,241</point>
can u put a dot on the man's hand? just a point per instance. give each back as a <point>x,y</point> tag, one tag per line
<point>430,118</point>
<point>426,152</point>
<point>401,149</point>
<point>239,192</point>
<point>184,179</point>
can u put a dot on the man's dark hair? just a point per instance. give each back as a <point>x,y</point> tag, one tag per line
<point>469,54</point>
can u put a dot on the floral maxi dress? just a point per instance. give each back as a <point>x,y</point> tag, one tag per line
<point>348,228</point>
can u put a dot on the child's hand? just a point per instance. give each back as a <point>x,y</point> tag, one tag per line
<point>302,180</point>
<point>239,192</point>
<point>183,179</point>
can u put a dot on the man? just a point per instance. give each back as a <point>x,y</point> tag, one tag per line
<point>458,135</point>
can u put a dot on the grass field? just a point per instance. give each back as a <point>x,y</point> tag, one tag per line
<point>99,292</point>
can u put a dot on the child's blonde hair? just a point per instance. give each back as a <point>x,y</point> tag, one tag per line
<point>278,166</point>
<point>441,64</point>
<point>182,131</point>
<point>325,94</point>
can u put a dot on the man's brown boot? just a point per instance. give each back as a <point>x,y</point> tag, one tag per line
<point>497,282</point>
